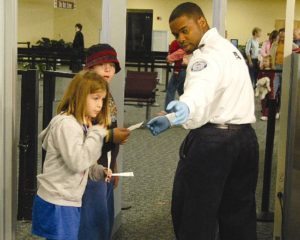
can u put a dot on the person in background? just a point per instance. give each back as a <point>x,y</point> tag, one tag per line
<point>97,213</point>
<point>296,37</point>
<point>78,48</point>
<point>277,50</point>
<point>78,42</point>
<point>176,55</point>
<point>266,46</point>
<point>216,176</point>
<point>266,71</point>
<point>73,146</point>
<point>277,54</point>
<point>252,53</point>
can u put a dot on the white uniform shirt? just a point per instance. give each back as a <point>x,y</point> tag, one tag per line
<point>217,87</point>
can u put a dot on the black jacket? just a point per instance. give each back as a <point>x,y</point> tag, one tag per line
<point>78,41</point>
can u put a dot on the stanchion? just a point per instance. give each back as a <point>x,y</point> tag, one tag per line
<point>167,77</point>
<point>28,143</point>
<point>265,215</point>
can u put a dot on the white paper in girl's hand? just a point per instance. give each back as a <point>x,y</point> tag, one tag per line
<point>123,174</point>
<point>108,159</point>
<point>135,126</point>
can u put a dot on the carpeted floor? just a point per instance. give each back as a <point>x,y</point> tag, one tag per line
<point>153,161</point>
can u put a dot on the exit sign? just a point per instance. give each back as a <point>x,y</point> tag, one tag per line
<point>64,4</point>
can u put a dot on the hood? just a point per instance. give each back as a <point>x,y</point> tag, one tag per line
<point>44,135</point>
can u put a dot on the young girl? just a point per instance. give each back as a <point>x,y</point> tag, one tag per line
<point>265,71</point>
<point>97,213</point>
<point>73,146</point>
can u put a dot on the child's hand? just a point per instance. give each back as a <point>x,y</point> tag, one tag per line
<point>120,135</point>
<point>97,172</point>
<point>107,173</point>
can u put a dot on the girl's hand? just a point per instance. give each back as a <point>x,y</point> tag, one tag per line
<point>107,173</point>
<point>120,135</point>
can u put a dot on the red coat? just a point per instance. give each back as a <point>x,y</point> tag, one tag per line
<point>176,54</point>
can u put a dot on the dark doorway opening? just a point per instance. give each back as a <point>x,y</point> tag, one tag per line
<point>139,33</point>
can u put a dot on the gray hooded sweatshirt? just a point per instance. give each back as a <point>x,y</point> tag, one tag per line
<point>70,154</point>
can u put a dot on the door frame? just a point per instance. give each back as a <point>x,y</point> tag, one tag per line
<point>8,144</point>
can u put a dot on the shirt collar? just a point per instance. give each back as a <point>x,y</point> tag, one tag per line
<point>211,33</point>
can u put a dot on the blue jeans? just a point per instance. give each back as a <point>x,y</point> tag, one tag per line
<point>253,71</point>
<point>176,83</point>
<point>97,211</point>
<point>277,79</point>
<point>277,85</point>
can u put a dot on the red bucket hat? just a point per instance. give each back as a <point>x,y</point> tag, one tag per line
<point>101,53</point>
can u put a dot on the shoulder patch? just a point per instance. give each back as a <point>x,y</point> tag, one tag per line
<point>198,66</point>
<point>236,55</point>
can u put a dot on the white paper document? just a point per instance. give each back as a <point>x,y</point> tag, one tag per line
<point>123,174</point>
<point>135,126</point>
<point>108,159</point>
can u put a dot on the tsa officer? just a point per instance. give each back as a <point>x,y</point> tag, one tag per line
<point>216,176</point>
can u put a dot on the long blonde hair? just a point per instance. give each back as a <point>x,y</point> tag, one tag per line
<point>74,100</point>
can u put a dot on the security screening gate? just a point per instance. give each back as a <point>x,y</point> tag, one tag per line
<point>266,215</point>
<point>48,97</point>
<point>291,195</point>
<point>28,143</point>
<point>49,93</point>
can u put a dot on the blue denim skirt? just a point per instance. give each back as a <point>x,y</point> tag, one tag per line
<point>53,221</point>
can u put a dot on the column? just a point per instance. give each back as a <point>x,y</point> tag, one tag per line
<point>285,96</point>
<point>8,69</point>
<point>219,15</point>
<point>113,32</point>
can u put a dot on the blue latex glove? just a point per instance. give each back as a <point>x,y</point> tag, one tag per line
<point>158,125</point>
<point>181,111</point>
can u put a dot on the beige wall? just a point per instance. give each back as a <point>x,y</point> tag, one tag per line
<point>38,18</point>
<point>242,15</point>
<point>88,13</point>
<point>163,8</point>
<point>35,20</point>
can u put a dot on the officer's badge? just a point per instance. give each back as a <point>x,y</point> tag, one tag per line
<point>198,66</point>
<point>236,55</point>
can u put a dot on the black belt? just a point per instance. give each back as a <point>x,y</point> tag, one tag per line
<point>227,126</point>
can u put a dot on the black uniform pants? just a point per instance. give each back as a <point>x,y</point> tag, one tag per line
<point>215,183</point>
